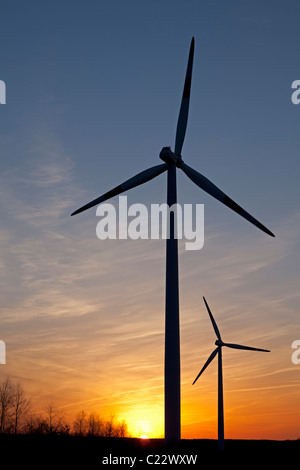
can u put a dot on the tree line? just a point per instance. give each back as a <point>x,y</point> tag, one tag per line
<point>18,417</point>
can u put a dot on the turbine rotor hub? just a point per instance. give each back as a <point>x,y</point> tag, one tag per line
<point>219,343</point>
<point>168,156</point>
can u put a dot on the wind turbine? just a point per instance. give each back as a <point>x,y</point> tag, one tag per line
<point>219,343</point>
<point>172,161</point>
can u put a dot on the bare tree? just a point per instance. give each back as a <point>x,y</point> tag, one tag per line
<point>6,400</point>
<point>80,424</point>
<point>109,429</point>
<point>21,406</point>
<point>30,426</point>
<point>95,425</point>
<point>35,423</point>
<point>16,416</point>
<point>122,429</point>
<point>54,418</point>
<point>40,425</point>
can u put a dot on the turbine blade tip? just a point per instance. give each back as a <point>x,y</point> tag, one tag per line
<point>75,212</point>
<point>81,209</point>
<point>267,231</point>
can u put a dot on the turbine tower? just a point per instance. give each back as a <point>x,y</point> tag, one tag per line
<point>172,161</point>
<point>218,351</point>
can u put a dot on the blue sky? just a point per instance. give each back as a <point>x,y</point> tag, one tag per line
<point>93,94</point>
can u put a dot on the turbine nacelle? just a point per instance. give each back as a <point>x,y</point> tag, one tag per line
<point>168,156</point>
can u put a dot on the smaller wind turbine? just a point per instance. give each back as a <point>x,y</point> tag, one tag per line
<point>218,351</point>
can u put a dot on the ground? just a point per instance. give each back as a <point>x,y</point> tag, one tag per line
<point>64,452</point>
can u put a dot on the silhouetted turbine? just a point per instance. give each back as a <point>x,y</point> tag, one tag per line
<point>172,161</point>
<point>218,351</point>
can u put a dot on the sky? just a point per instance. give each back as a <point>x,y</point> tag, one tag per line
<point>93,91</point>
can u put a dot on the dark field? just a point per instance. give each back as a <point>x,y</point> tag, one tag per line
<point>64,452</point>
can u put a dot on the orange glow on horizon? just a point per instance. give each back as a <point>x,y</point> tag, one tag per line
<point>260,390</point>
<point>144,429</point>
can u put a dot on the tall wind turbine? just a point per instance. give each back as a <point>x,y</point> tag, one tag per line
<point>218,351</point>
<point>173,160</point>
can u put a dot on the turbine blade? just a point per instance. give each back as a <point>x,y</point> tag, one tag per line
<point>239,346</point>
<point>214,191</point>
<point>185,102</point>
<point>211,357</point>
<point>213,321</point>
<point>136,180</point>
